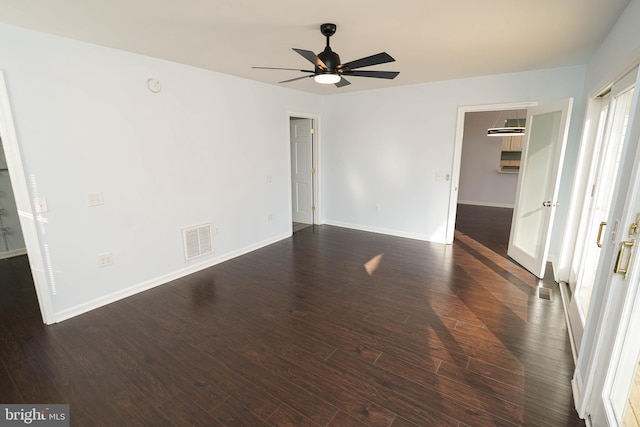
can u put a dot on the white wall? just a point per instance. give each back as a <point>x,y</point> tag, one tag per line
<point>198,151</point>
<point>480,182</point>
<point>382,149</point>
<point>618,53</point>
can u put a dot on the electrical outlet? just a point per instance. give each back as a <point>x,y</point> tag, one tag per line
<point>105,260</point>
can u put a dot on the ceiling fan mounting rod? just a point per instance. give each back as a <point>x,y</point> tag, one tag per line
<point>328,30</point>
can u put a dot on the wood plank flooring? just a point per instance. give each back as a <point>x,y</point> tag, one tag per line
<point>332,327</point>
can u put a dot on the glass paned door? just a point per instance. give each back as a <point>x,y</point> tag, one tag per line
<point>602,191</point>
<point>538,184</point>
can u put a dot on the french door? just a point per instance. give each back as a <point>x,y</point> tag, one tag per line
<point>611,129</point>
<point>538,184</point>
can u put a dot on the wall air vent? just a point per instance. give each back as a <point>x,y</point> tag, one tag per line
<point>197,241</point>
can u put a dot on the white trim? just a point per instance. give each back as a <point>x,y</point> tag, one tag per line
<point>578,392</point>
<point>13,253</point>
<point>379,230</point>
<point>618,73</point>
<point>28,222</point>
<point>457,155</point>
<point>158,281</point>
<point>488,204</point>
<point>563,286</point>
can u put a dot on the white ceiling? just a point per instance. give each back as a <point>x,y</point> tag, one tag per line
<point>430,39</point>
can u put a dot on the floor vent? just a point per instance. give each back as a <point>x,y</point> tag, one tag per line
<point>545,293</point>
<point>197,241</point>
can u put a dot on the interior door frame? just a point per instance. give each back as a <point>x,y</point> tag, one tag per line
<point>315,178</point>
<point>29,222</point>
<point>457,155</point>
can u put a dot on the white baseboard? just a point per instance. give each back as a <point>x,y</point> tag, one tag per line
<point>149,284</point>
<point>488,204</point>
<point>12,253</point>
<point>565,304</point>
<point>379,230</point>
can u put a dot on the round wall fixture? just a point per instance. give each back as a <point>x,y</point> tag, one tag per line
<point>154,85</point>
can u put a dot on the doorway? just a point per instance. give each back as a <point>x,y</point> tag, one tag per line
<point>466,121</point>
<point>489,164</point>
<point>303,154</point>
<point>543,150</point>
<point>28,221</point>
<point>11,240</point>
<point>488,178</point>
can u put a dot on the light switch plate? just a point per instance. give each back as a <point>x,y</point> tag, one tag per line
<point>41,205</point>
<point>95,199</point>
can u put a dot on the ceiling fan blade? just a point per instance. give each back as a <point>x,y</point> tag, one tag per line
<point>294,79</point>
<point>311,57</point>
<point>377,74</point>
<point>379,58</point>
<point>343,82</point>
<point>288,69</point>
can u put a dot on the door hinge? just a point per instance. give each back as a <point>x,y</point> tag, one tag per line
<point>313,131</point>
<point>313,208</point>
<point>313,171</point>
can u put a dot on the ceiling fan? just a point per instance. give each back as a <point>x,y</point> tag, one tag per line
<point>329,70</point>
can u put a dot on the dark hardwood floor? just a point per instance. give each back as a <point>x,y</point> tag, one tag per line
<point>485,224</point>
<point>332,327</point>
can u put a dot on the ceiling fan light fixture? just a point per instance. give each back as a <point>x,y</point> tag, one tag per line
<point>328,69</point>
<point>327,78</point>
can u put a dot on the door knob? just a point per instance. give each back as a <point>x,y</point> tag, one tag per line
<point>549,203</point>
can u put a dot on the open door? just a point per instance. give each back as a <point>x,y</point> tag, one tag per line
<point>301,138</point>
<point>538,184</point>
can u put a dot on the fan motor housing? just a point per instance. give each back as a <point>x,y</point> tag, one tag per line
<point>330,59</point>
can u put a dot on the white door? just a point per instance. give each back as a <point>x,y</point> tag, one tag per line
<point>301,137</point>
<point>624,281</point>
<point>538,184</point>
<point>610,342</point>
<point>613,117</point>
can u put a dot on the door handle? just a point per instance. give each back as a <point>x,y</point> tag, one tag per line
<point>549,203</point>
<point>600,232</point>
<point>624,258</point>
